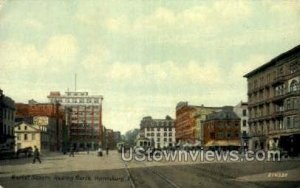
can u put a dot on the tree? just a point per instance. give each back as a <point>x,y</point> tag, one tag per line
<point>131,135</point>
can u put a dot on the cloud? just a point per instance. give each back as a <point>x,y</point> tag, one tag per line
<point>199,19</point>
<point>34,24</point>
<point>61,47</point>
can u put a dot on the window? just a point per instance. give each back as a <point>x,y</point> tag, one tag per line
<point>158,129</point>
<point>170,139</point>
<point>294,86</point>
<point>244,123</point>
<point>25,136</point>
<point>288,104</point>
<point>288,122</point>
<point>244,133</point>
<point>33,136</point>
<point>25,127</point>
<point>158,139</point>
<point>19,128</point>
<point>228,135</point>
<point>158,134</point>
<point>96,100</point>
<point>212,135</point>
<point>244,112</point>
<point>81,100</point>
<point>18,137</point>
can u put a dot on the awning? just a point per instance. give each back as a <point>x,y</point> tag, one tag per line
<point>223,143</point>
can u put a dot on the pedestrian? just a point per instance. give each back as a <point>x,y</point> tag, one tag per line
<point>107,150</point>
<point>36,155</point>
<point>99,152</point>
<point>71,151</point>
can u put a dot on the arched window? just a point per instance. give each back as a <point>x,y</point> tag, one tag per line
<point>294,86</point>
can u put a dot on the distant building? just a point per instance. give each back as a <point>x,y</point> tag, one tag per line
<point>86,129</point>
<point>222,130</point>
<point>109,137</point>
<point>274,103</point>
<point>241,110</point>
<point>38,131</point>
<point>25,112</point>
<point>7,121</point>
<point>117,136</point>
<point>160,131</point>
<point>189,118</point>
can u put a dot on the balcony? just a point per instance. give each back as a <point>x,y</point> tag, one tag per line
<point>295,130</point>
<point>278,80</point>
<point>278,114</point>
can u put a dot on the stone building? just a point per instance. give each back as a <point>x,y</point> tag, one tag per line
<point>7,121</point>
<point>222,130</point>
<point>160,131</point>
<point>85,130</point>
<point>189,119</point>
<point>274,103</point>
<point>241,110</point>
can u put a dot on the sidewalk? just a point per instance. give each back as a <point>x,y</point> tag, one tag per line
<point>57,162</point>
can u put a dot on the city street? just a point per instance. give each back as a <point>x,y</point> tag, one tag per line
<point>89,170</point>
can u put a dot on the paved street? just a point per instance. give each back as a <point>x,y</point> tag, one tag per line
<point>88,170</point>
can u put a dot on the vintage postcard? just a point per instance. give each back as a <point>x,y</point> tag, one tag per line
<point>149,93</point>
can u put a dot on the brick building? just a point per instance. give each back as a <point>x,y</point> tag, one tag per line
<point>86,129</point>
<point>274,103</point>
<point>222,130</point>
<point>188,124</point>
<point>25,112</point>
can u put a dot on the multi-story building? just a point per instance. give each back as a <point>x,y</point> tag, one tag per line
<point>189,119</point>
<point>160,131</point>
<point>109,137</point>
<point>241,110</point>
<point>51,110</point>
<point>37,131</point>
<point>274,103</point>
<point>85,130</point>
<point>222,130</point>
<point>7,121</point>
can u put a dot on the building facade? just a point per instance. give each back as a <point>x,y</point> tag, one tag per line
<point>37,131</point>
<point>189,119</point>
<point>241,110</point>
<point>274,103</point>
<point>7,122</point>
<point>222,130</point>
<point>160,131</point>
<point>85,129</point>
<point>51,110</point>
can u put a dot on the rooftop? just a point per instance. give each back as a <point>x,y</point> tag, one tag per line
<point>274,60</point>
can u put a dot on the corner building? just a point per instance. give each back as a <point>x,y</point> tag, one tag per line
<point>274,103</point>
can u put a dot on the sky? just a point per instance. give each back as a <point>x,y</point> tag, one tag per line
<point>143,56</point>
